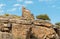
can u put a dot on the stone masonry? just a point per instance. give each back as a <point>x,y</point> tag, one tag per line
<point>26,27</point>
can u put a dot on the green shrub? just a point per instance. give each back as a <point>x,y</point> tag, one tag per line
<point>43,16</point>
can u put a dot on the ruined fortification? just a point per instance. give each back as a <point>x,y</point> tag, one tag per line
<point>26,27</point>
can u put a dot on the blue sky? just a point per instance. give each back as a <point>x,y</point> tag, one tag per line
<point>50,7</point>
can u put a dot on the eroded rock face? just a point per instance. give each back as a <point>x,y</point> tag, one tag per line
<point>5,35</point>
<point>26,14</point>
<point>29,31</point>
<point>26,28</point>
<point>43,23</point>
<point>44,32</point>
<point>20,30</point>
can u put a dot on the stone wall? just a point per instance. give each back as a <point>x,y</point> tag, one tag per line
<point>5,35</point>
<point>26,28</point>
<point>26,14</point>
<point>39,30</point>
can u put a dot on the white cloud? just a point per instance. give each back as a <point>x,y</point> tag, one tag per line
<point>1,11</point>
<point>28,2</point>
<point>1,5</point>
<point>19,0</point>
<point>53,6</point>
<point>13,9</point>
<point>46,0</point>
<point>17,5</point>
<point>57,7</point>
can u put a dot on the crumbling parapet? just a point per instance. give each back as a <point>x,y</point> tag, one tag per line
<point>26,14</point>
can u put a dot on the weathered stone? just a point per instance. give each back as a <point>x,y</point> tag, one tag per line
<point>26,28</point>
<point>57,29</point>
<point>3,19</point>
<point>20,30</point>
<point>43,23</point>
<point>26,14</point>
<point>43,32</point>
<point>24,22</point>
<point>5,35</point>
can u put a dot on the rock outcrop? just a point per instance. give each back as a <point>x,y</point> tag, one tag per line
<point>26,14</point>
<point>26,27</point>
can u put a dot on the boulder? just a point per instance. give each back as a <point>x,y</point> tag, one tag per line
<point>44,32</point>
<point>43,23</point>
<point>5,35</point>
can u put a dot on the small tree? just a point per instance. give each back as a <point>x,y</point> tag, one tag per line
<point>6,14</point>
<point>14,16</point>
<point>43,16</point>
<point>58,23</point>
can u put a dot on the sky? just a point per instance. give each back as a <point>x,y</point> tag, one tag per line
<point>49,7</point>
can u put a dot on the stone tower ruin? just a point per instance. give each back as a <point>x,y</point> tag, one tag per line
<point>27,14</point>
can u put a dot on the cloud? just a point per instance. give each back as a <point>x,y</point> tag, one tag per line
<point>2,5</point>
<point>53,6</point>
<point>13,9</point>
<point>57,7</point>
<point>46,0</point>
<point>29,2</point>
<point>19,0</point>
<point>17,5</point>
<point>1,12</point>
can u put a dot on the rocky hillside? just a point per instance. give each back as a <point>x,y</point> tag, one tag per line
<point>26,27</point>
